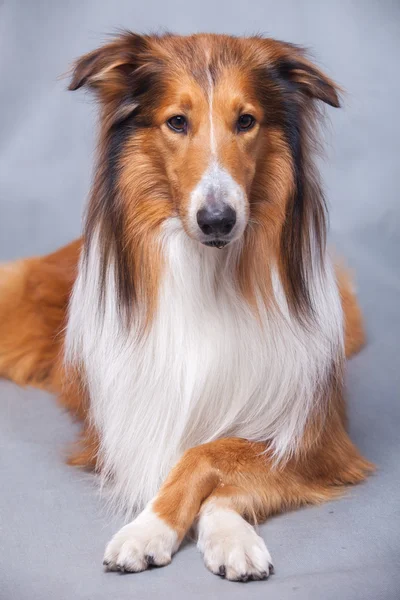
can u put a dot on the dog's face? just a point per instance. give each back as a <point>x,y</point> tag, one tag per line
<point>209,135</point>
<point>208,118</point>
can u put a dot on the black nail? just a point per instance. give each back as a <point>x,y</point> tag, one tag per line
<point>263,575</point>
<point>222,570</point>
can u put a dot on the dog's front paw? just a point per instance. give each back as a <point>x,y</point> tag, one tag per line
<point>231,547</point>
<point>147,541</point>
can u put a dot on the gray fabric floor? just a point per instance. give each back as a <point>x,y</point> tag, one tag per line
<point>52,524</point>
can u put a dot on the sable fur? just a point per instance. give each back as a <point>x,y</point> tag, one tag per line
<point>141,276</point>
<point>129,76</point>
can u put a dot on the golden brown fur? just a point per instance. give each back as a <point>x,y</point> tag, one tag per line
<point>33,309</point>
<point>231,471</point>
<point>144,176</point>
<point>136,189</point>
<point>34,296</point>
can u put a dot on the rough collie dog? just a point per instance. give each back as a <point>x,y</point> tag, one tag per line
<point>204,339</point>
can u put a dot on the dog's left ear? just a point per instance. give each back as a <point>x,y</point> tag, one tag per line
<point>310,81</point>
<point>293,67</point>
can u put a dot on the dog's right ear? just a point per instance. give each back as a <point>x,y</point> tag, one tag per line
<point>109,69</point>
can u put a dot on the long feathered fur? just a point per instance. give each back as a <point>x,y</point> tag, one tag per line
<point>216,357</point>
<point>207,367</point>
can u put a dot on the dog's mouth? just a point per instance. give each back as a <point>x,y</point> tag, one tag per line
<point>216,244</point>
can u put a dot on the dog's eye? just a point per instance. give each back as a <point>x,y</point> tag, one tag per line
<point>178,124</point>
<point>245,122</point>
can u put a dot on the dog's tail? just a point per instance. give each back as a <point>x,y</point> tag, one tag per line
<point>34,296</point>
<point>354,331</point>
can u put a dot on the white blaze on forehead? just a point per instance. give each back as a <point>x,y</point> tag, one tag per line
<point>213,145</point>
<point>216,182</point>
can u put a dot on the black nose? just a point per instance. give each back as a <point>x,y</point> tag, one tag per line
<point>217,220</point>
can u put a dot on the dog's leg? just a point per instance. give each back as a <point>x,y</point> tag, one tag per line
<point>226,484</point>
<point>234,479</point>
<point>155,535</point>
<point>34,296</point>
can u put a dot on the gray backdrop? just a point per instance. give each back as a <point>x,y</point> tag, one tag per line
<point>53,527</point>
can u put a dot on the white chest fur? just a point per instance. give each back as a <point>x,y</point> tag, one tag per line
<point>207,368</point>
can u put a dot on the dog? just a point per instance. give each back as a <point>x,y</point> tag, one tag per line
<point>199,328</point>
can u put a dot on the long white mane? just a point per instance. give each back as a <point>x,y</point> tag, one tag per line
<point>207,368</point>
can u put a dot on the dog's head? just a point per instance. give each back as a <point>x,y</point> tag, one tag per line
<point>210,128</point>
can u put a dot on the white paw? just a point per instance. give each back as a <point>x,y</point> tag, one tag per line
<point>148,540</point>
<point>231,547</point>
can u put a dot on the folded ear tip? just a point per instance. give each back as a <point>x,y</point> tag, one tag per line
<point>328,91</point>
<point>338,96</point>
<point>335,102</point>
<point>78,79</point>
<point>75,85</point>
